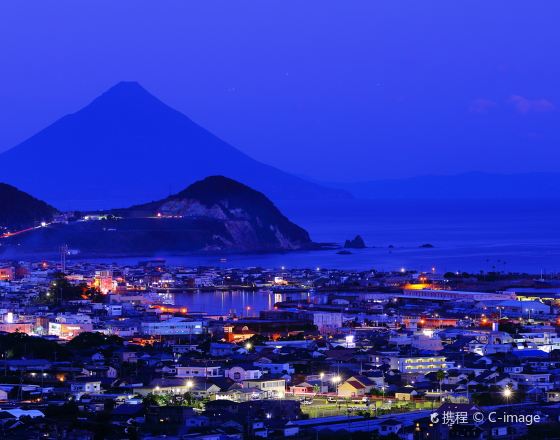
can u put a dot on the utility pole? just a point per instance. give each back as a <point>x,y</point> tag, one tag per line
<point>63,253</point>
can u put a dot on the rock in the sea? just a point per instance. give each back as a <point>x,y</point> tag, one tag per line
<point>356,243</point>
<point>426,246</point>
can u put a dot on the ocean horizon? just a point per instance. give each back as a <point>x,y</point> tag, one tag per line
<point>466,235</point>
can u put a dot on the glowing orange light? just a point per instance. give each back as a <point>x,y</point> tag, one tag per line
<point>416,286</point>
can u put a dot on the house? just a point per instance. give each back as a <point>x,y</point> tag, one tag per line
<point>273,388</point>
<point>356,386</point>
<point>171,385</point>
<point>377,377</point>
<point>98,357</point>
<point>125,412</point>
<point>406,393</point>
<point>80,387</point>
<point>168,417</point>
<point>199,370</point>
<point>365,381</point>
<point>389,426</point>
<point>238,333</point>
<point>351,388</point>
<point>302,388</point>
<point>458,398</point>
<point>242,372</point>
<point>124,355</point>
<point>100,371</point>
<point>219,349</point>
<point>241,395</point>
<point>179,349</point>
<point>533,380</point>
<point>281,428</point>
<point>275,367</point>
<point>203,389</point>
<point>455,376</point>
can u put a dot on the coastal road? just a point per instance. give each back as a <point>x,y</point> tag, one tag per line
<point>23,231</point>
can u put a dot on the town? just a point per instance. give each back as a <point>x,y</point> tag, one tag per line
<point>154,350</point>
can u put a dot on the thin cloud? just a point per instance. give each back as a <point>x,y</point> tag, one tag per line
<point>482,105</point>
<point>524,105</point>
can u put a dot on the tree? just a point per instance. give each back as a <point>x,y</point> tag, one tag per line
<point>150,400</point>
<point>169,399</point>
<point>61,290</point>
<point>257,340</point>
<point>94,340</point>
<point>440,375</point>
<point>20,345</point>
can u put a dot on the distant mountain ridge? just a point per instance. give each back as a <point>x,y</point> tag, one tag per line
<point>474,185</point>
<point>216,214</point>
<point>127,146</point>
<point>20,210</point>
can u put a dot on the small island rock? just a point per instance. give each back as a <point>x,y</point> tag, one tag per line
<point>356,243</point>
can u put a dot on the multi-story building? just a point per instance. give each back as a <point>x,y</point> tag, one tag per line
<point>413,364</point>
<point>174,326</point>
<point>327,322</point>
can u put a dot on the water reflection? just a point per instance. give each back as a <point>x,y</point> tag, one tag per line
<point>239,302</point>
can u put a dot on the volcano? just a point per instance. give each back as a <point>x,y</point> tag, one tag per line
<point>126,147</point>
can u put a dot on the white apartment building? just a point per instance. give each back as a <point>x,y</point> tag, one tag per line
<point>173,326</point>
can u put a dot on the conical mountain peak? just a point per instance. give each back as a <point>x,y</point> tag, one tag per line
<point>129,94</point>
<point>127,146</point>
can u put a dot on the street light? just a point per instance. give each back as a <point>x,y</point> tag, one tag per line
<point>507,393</point>
<point>336,380</point>
<point>248,346</point>
<point>189,384</point>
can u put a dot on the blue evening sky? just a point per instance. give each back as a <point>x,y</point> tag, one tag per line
<point>334,90</point>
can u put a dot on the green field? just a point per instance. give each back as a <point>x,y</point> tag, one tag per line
<point>321,408</point>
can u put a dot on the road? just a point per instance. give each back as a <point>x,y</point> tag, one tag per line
<point>22,231</point>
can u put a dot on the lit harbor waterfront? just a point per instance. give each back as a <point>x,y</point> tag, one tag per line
<point>243,303</point>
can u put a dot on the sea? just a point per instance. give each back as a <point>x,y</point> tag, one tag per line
<point>466,235</point>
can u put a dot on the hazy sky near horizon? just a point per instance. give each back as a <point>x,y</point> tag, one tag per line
<point>335,90</point>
